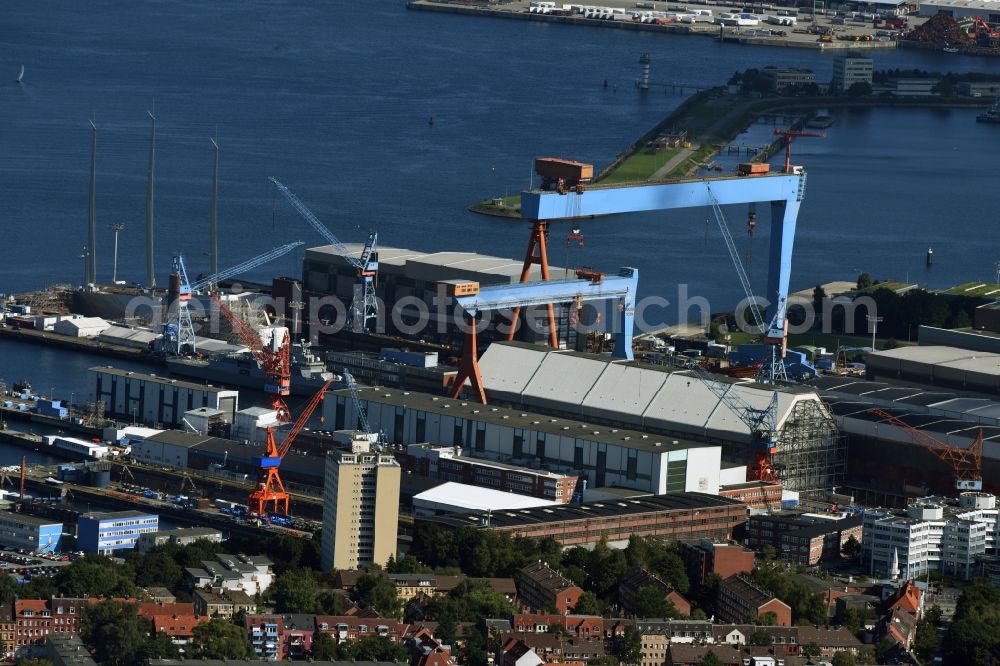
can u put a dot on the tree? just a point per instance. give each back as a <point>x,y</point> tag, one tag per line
<point>379,593</point>
<point>157,567</point>
<point>819,296</point>
<point>114,629</point>
<point>769,553</point>
<point>843,658</point>
<point>294,592</point>
<point>375,648</point>
<point>698,614</point>
<point>160,646</point>
<point>629,647</point>
<point>768,619</point>
<point>95,576</point>
<point>851,547</point>
<point>710,659</point>
<point>324,648</point>
<point>860,89</point>
<point>587,604</point>
<point>864,281</point>
<point>762,638</point>
<point>810,650</point>
<point>926,642</point>
<point>219,639</point>
<point>331,602</point>
<point>650,602</point>
<point>976,624</point>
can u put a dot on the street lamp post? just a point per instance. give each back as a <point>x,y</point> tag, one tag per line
<point>874,320</point>
<point>114,265</point>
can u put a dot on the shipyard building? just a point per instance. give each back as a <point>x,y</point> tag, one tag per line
<point>604,456</point>
<point>411,277</point>
<point>148,398</point>
<point>667,403</point>
<point>885,466</point>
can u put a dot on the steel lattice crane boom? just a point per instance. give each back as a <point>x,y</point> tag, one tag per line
<point>763,424</point>
<point>775,334</point>
<point>362,415</point>
<point>966,464</point>
<point>364,306</point>
<point>269,488</point>
<point>274,360</point>
<point>185,290</point>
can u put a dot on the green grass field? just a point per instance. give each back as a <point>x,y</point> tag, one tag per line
<point>975,289</point>
<point>639,166</point>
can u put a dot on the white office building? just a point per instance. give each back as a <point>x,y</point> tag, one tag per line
<point>934,533</point>
<point>851,69</point>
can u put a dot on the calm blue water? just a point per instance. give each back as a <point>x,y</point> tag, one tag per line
<point>335,103</point>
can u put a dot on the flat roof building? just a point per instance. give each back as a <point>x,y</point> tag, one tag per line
<point>675,516</point>
<point>448,464</point>
<point>360,507</point>
<point>18,530</point>
<point>603,455</point>
<point>151,399</point>
<point>665,402</point>
<point>105,533</point>
<point>451,497</point>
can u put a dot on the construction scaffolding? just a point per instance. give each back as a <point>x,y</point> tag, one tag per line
<point>812,453</point>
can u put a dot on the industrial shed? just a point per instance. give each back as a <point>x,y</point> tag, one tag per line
<point>988,10</point>
<point>81,327</point>
<point>665,401</point>
<point>939,366</point>
<point>135,338</point>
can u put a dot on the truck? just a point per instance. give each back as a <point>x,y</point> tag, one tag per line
<point>752,168</point>
<point>563,175</point>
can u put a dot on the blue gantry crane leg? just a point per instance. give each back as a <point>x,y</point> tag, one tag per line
<point>784,191</point>
<point>621,287</point>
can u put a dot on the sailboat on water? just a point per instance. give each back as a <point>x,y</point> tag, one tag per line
<point>20,76</point>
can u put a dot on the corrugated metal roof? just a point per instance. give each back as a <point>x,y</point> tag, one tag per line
<point>640,395</point>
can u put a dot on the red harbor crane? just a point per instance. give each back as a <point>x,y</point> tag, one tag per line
<point>269,488</point>
<point>789,134</point>
<point>967,464</point>
<point>274,360</point>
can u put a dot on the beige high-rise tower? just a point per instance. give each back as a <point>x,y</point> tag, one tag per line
<point>360,507</point>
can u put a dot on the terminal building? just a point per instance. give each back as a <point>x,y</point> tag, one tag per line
<point>21,531</point>
<point>151,399</point>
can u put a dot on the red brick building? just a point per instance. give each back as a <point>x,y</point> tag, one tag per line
<point>540,587</point>
<point>636,579</point>
<point>741,600</point>
<point>578,626</point>
<point>686,515</point>
<point>723,559</point>
<point>755,494</point>
<point>803,538</point>
<point>35,619</point>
